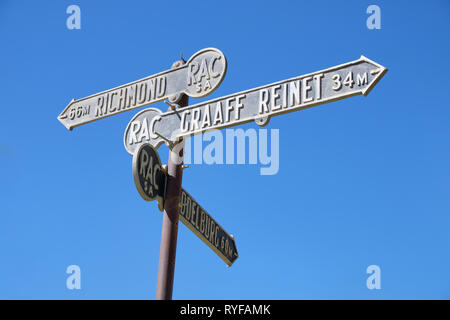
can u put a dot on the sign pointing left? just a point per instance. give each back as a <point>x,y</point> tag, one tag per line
<point>200,76</point>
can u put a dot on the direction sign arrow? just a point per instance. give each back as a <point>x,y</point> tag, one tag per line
<point>200,76</point>
<point>151,179</point>
<point>259,104</point>
<point>207,229</point>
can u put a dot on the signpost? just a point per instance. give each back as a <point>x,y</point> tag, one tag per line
<point>259,104</point>
<point>200,76</point>
<point>148,129</point>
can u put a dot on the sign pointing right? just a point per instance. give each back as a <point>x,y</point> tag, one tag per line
<point>151,180</point>
<point>207,229</point>
<point>258,104</point>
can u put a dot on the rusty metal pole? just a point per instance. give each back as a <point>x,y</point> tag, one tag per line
<point>169,233</point>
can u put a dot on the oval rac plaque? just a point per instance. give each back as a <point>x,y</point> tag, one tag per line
<point>149,176</point>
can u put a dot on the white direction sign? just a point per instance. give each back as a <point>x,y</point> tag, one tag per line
<point>200,76</point>
<point>259,104</point>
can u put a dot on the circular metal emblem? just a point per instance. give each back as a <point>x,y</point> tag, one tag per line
<point>205,72</point>
<point>149,176</point>
<point>140,130</point>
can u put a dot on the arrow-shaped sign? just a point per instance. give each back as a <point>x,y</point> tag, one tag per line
<point>259,104</point>
<point>151,179</point>
<point>207,229</point>
<point>200,76</point>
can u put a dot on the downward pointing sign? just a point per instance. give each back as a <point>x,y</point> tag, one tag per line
<point>259,104</point>
<point>151,180</point>
<point>200,76</point>
<point>207,229</point>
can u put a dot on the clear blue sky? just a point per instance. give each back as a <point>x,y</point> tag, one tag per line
<point>362,181</point>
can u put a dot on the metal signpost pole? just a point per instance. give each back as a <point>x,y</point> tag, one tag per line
<point>169,233</point>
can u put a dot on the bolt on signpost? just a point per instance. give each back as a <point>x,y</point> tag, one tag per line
<point>148,129</point>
